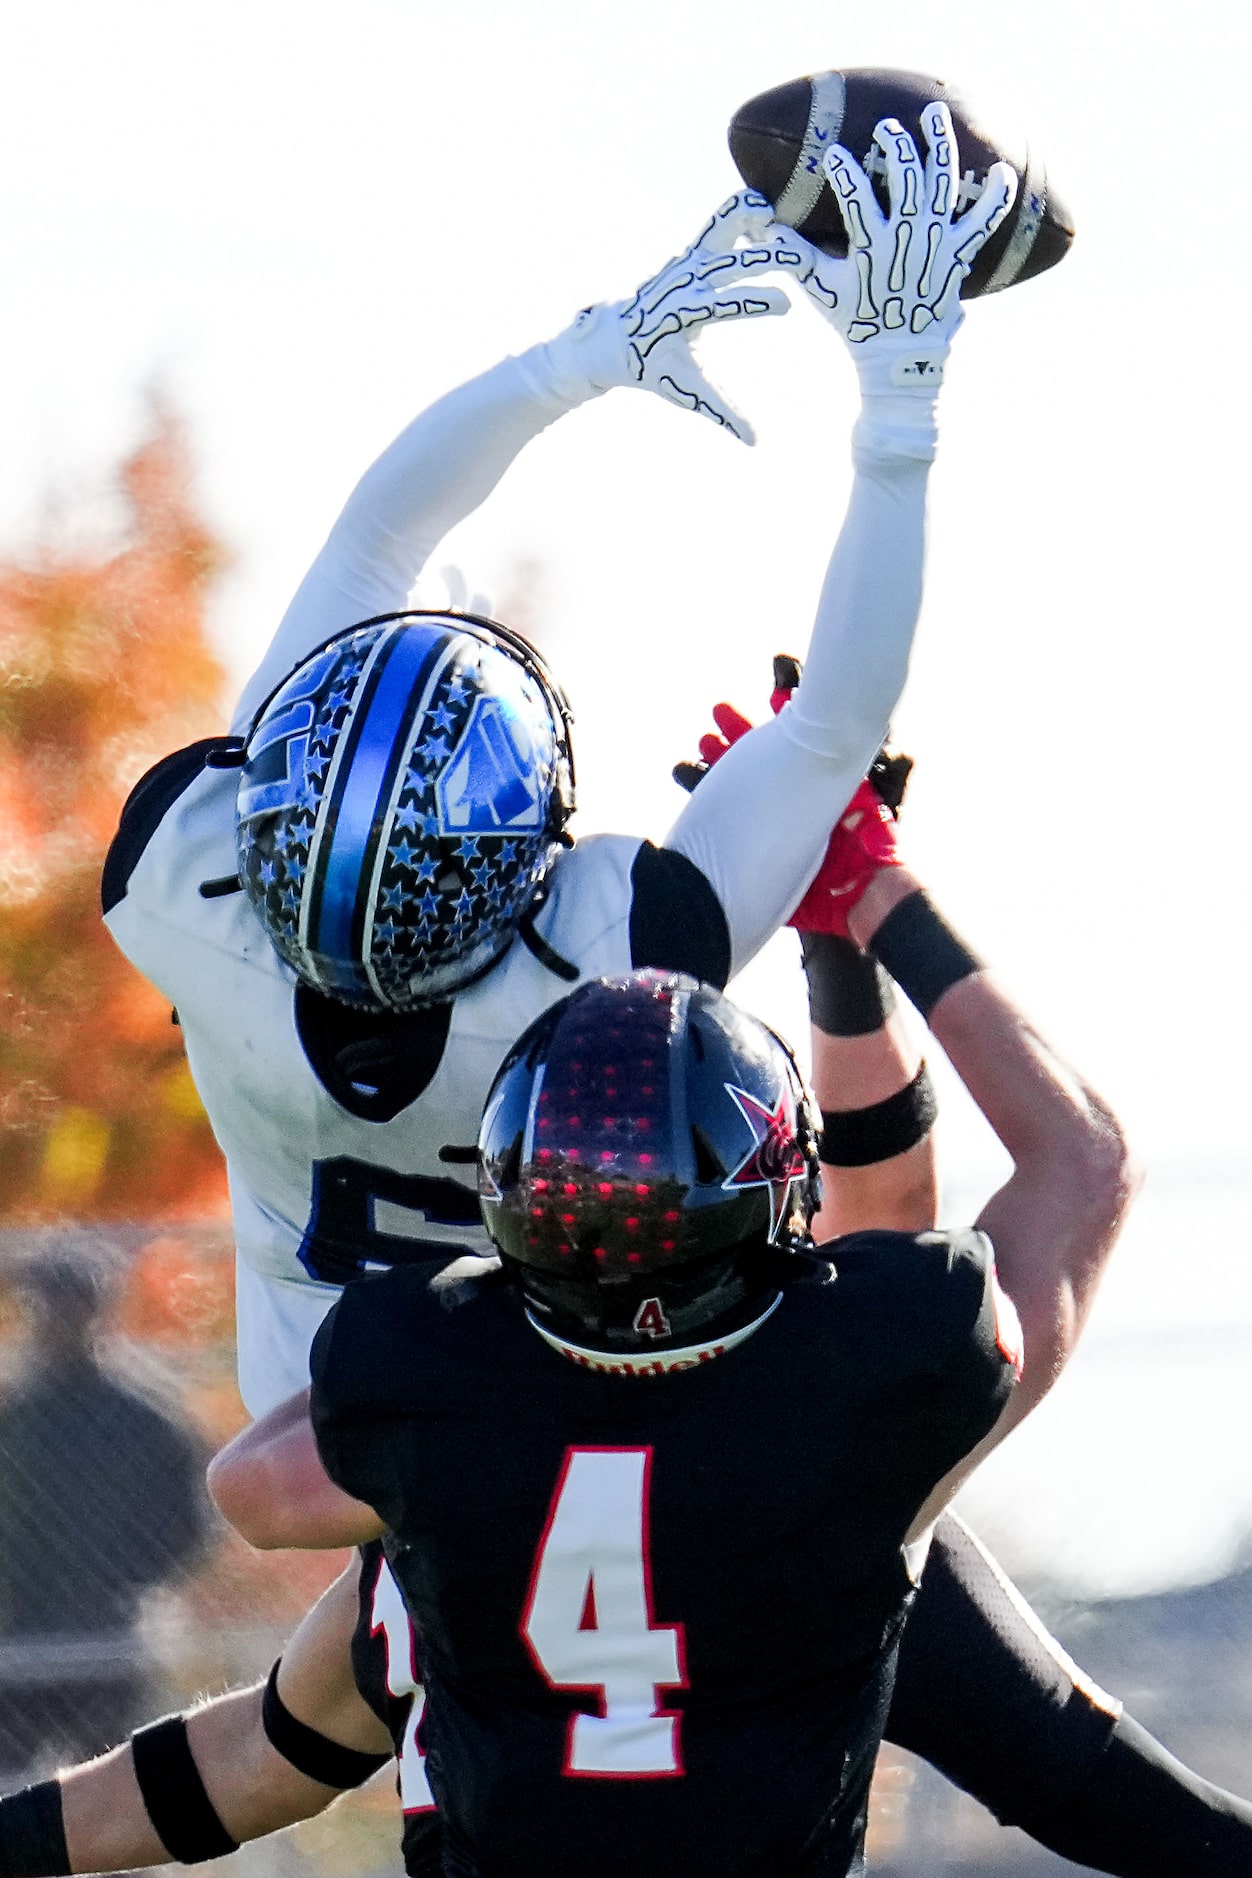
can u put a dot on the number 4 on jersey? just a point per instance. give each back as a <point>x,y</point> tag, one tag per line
<point>588,1618</point>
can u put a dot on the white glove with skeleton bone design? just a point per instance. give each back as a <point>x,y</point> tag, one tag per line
<point>646,341</point>
<point>896,298</point>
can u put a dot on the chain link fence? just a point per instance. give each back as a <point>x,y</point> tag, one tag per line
<point>123,1596</point>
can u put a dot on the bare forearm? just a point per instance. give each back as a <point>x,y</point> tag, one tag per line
<point>899,1195</point>
<point>878,1158</point>
<point>900,1191</point>
<point>249,1785</point>
<point>254,1791</point>
<point>106,1823</point>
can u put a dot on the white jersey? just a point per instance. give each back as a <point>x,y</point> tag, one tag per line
<point>327,1178</point>
<point>319,1191</point>
<point>275,1120</point>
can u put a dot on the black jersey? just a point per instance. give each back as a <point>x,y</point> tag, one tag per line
<point>388,1678</point>
<point>658,1615</point>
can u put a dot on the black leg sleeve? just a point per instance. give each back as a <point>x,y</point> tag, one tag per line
<point>986,1695</point>
<point>1142,1814</point>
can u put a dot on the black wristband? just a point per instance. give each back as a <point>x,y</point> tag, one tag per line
<point>849,993</point>
<point>863,1137</point>
<point>922,953</point>
<point>309,1752</point>
<point>183,1816</point>
<point>32,1833</point>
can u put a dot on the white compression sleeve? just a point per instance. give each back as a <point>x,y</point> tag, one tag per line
<point>758,824</point>
<point>436,473</point>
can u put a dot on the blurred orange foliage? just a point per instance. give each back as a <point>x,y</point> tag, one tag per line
<point>104,668</point>
<point>180,1295</point>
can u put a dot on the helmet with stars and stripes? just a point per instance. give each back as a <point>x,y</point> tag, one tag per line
<point>402,795</point>
<point>647,1169</point>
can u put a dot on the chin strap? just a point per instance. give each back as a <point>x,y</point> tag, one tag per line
<point>538,946</point>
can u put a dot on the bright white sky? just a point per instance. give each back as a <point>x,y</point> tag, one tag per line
<point>306,221</point>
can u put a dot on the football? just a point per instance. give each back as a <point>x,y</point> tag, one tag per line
<point>778,138</point>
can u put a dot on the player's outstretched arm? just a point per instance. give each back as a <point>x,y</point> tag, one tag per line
<point>195,1786</point>
<point>270,1485</point>
<point>982,1690</point>
<point>1055,1221</point>
<point>877,1146</point>
<point>758,827</point>
<point>877,1150</point>
<point>450,458</point>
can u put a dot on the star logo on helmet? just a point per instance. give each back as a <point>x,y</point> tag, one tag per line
<point>404,854</point>
<point>407,817</point>
<point>774,1160</point>
<point>434,751</point>
<point>427,869</point>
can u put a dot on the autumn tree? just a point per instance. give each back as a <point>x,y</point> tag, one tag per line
<point>104,668</point>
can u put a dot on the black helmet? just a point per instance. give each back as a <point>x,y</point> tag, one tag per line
<point>647,1152</point>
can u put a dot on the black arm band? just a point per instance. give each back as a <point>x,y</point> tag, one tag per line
<point>849,993</point>
<point>922,953</point>
<point>863,1137</point>
<point>182,1814</point>
<point>32,1833</point>
<point>308,1751</point>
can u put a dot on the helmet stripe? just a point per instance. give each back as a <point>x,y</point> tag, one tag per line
<point>371,752</point>
<point>431,676</point>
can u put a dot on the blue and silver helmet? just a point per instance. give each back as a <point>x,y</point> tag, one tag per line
<point>402,796</point>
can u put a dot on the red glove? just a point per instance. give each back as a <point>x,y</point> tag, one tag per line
<point>733,724</point>
<point>864,838</point>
